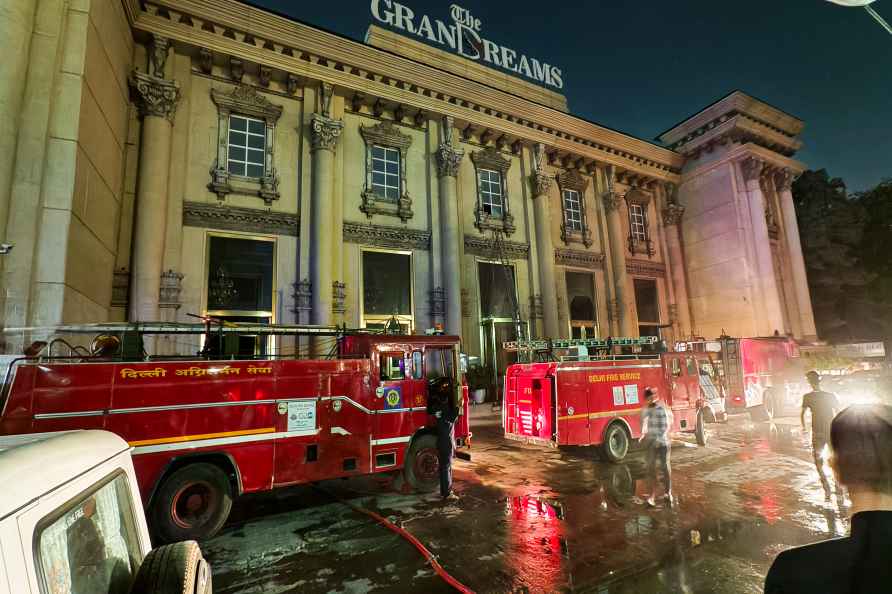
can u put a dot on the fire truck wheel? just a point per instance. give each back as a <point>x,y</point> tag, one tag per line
<point>177,568</point>
<point>422,468</point>
<point>616,443</point>
<point>192,503</point>
<point>700,431</point>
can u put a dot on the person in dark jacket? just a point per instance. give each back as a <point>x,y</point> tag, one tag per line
<point>441,404</point>
<point>823,406</point>
<point>861,441</point>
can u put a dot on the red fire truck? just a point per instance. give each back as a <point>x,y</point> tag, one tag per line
<point>205,430</point>
<point>597,400</point>
<point>764,376</point>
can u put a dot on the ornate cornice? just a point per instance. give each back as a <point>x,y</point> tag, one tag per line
<point>646,268</point>
<point>672,214</point>
<point>636,196</point>
<point>783,179</point>
<point>245,99</point>
<point>485,248</point>
<point>154,96</point>
<point>541,184</point>
<point>325,132</point>
<point>233,218</point>
<point>751,167</point>
<point>578,258</point>
<point>448,160</point>
<point>401,238</point>
<point>386,134</point>
<point>491,158</point>
<point>573,180</point>
<point>612,201</point>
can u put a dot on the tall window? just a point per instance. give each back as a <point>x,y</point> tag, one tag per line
<point>647,303</point>
<point>386,172</point>
<point>491,197</point>
<point>246,146</point>
<point>572,210</point>
<point>498,296</point>
<point>581,298</point>
<point>638,222</point>
<point>387,289</point>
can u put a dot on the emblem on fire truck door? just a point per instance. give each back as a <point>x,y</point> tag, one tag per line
<point>393,398</point>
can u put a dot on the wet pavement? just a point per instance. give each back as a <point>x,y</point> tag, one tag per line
<point>543,520</point>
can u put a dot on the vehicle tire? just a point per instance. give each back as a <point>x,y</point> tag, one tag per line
<point>193,503</point>
<point>422,468</point>
<point>616,443</point>
<point>700,430</point>
<point>177,568</point>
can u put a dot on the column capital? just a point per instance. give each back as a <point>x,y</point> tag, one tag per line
<point>155,96</point>
<point>672,214</point>
<point>448,160</point>
<point>784,179</point>
<point>325,132</point>
<point>612,201</point>
<point>751,167</point>
<point>541,184</point>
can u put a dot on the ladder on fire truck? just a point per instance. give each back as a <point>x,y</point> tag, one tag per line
<point>546,345</point>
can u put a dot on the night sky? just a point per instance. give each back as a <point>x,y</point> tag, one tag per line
<point>641,67</point>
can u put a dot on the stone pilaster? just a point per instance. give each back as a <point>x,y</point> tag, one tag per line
<point>157,99</point>
<point>769,317</point>
<point>617,237</point>
<point>448,164</point>
<point>672,214</point>
<point>541,184</point>
<point>325,133</point>
<point>784,183</point>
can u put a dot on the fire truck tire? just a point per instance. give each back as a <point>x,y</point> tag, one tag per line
<point>616,442</point>
<point>177,568</point>
<point>422,469</point>
<point>700,430</point>
<point>193,503</point>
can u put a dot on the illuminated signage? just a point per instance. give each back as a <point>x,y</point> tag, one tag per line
<point>463,36</point>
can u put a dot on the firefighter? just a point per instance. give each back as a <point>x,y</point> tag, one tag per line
<point>441,404</point>
<point>823,406</point>
<point>656,421</point>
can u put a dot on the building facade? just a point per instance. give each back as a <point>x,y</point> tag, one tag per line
<point>165,158</point>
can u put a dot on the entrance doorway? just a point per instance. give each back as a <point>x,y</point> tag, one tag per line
<point>494,332</point>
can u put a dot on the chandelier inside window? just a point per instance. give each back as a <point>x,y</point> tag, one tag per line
<point>222,290</point>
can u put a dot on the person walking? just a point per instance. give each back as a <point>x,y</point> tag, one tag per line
<point>656,421</point>
<point>823,406</point>
<point>861,440</point>
<point>441,404</point>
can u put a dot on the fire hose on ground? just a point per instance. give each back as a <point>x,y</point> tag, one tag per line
<point>406,535</point>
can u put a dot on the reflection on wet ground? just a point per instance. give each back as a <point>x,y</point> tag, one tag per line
<point>539,520</point>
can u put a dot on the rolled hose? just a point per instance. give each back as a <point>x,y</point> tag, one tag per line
<point>405,534</point>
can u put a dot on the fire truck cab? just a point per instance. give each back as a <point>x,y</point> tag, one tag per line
<point>204,431</point>
<point>598,401</point>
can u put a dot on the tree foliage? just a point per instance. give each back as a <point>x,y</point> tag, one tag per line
<point>845,242</point>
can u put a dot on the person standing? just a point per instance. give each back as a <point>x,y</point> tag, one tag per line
<point>441,404</point>
<point>656,421</point>
<point>861,439</point>
<point>823,406</point>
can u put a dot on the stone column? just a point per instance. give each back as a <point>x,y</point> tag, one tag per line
<point>545,247</point>
<point>672,214</point>
<point>157,100</point>
<point>616,235</point>
<point>448,163</point>
<point>770,316</point>
<point>325,134</point>
<point>784,181</point>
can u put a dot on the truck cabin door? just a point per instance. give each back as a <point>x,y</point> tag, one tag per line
<point>400,387</point>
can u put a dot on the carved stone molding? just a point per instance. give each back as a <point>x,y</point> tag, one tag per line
<point>612,201</point>
<point>269,187</point>
<point>448,160</point>
<point>646,268</point>
<point>485,248</point>
<point>206,60</point>
<point>438,304</point>
<point>636,196</point>
<point>541,184</point>
<point>578,259</point>
<point>154,96</point>
<point>120,288</point>
<point>171,287</point>
<point>232,218</point>
<point>465,304</point>
<point>672,214</point>
<point>491,158</point>
<point>338,297</point>
<point>751,167</point>
<point>486,222</point>
<point>303,294</point>
<point>614,309</point>
<point>159,49</point>
<point>573,180</point>
<point>400,238</point>
<point>325,132</point>
<point>236,69</point>
<point>246,100</point>
<point>536,308</point>
<point>387,135</point>
<point>783,179</point>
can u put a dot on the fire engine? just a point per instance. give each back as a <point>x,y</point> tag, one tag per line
<point>207,428</point>
<point>596,400</point>
<point>763,376</point>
